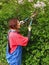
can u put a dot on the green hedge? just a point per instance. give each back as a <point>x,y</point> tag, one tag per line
<point>37,50</point>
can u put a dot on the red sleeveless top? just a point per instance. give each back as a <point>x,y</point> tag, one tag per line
<point>16,39</point>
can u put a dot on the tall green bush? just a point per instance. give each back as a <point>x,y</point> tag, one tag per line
<point>37,50</point>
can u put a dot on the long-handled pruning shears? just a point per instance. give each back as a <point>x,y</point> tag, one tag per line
<point>31,19</point>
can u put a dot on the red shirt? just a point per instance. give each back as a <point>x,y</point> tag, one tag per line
<point>16,39</point>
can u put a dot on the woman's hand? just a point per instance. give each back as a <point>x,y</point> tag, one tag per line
<point>21,22</point>
<point>29,28</point>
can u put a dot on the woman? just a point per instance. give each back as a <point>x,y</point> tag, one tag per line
<point>15,42</point>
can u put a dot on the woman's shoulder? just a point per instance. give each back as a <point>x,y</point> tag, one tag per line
<point>13,34</point>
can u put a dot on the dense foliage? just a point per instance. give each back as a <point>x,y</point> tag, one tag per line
<point>37,50</point>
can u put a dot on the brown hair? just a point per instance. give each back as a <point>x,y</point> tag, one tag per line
<point>13,23</point>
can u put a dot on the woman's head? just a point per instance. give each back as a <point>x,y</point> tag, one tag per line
<point>14,23</point>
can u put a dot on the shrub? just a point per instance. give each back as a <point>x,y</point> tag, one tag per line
<point>37,50</point>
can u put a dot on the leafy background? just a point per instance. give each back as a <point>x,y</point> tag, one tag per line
<point>37,50</point>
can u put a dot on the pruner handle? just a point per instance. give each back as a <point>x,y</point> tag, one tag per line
<point>26,20</point>
<point>31,22</point>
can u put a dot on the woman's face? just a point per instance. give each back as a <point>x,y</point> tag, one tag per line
<point>18,24</point>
